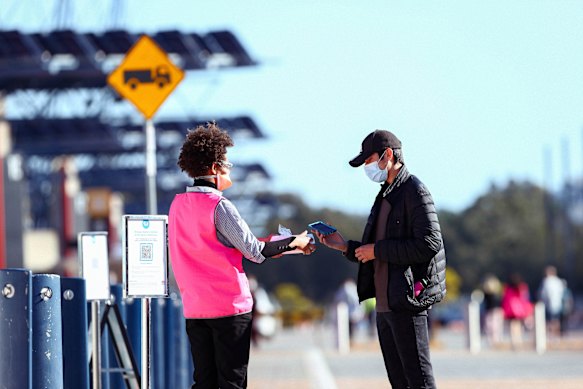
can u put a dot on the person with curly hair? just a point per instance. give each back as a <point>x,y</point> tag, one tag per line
<point>208,240</point>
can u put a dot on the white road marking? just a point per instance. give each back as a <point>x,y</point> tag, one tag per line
<point>318,370</point>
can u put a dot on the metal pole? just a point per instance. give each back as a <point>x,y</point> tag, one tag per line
<point>4,149</point>
<point>567,235</point>
<point>96,345</point>
<point>548,206</point>
<point>151,167</point>
<point>146,336</point>
<point>152,210</point>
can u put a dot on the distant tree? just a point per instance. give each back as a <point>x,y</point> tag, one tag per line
<point>504,231</point>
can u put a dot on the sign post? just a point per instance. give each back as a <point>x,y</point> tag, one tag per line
<point>151,167</point>
<point>146,77</point>
<point>145,271</point>
<point>94,268</point>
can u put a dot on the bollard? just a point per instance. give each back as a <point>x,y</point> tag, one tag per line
<point>158,343</point>
<point>98,354</point>
<point>474,336</point>
<point>342,328</point>
<point>47,332</point>
<point>116,380</point>
<point>74,322</point>
<point>134,326</point>
<point>15,329</point>
<point>540,328</point>
<point>171,341</point>
<point>183,357</point>
<point>117,298</point>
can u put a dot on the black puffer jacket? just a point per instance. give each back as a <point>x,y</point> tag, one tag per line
<point>413,246</point>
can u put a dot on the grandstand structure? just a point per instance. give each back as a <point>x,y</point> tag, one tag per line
<point>66,156</point>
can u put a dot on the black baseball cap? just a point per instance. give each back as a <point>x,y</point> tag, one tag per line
<point>376,141</point>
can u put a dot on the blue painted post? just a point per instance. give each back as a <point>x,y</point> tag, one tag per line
<point>15,329</point>
<point>158,343</point>
<point>117,295</point>
<point>47,332</point>
<point>116,380</point>
<point>134,326</point>
<point>171,340</point>
<point>184,362</point>
<point>74,314</point>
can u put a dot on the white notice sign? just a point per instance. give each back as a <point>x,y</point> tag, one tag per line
<point>145,256</point>
<point>94,264</point>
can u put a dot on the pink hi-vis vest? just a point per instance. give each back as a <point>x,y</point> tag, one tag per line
<point>210,275</point>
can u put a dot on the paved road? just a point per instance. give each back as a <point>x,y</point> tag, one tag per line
<point>306,358</point>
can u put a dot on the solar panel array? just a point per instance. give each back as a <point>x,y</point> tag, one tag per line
<point>69,59</point>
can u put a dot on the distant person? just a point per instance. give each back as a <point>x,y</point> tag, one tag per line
<point>493,314</point>
<point>370,315</point>
<point>551,293</point>
<point>517,307</point>
<point>348,295</point>
<point>208,240</point>
<point>264,322</point>
<point>568,307</point>
<point>401,260</point>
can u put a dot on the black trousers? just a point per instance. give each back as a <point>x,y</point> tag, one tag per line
<point>220,351</point>
<point>404,340</point>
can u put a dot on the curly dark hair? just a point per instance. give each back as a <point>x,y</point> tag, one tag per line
<point>203,146</point>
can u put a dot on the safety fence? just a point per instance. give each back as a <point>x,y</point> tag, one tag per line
<point>45,340</point>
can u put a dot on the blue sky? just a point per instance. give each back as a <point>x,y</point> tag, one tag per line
<point>477,91</point>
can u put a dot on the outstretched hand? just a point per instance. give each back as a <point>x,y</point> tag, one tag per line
<point>302,242</point>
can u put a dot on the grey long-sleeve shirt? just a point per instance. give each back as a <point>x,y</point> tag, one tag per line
<point>232,230</point>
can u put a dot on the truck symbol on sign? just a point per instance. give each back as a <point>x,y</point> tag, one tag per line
<point>160,76</point>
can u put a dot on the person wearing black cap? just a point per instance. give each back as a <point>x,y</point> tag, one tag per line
<point>401,260</point>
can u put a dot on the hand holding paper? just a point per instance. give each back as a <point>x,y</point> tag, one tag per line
<point>303,243</point>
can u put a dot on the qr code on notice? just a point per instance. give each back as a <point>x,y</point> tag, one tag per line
<point>146,252</point>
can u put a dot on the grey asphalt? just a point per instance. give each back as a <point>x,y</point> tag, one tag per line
<point>306,357</point>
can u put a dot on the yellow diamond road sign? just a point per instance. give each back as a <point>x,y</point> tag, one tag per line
<point>146,76</point>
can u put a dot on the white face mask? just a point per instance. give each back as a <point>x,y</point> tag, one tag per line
<point>374,172</point>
